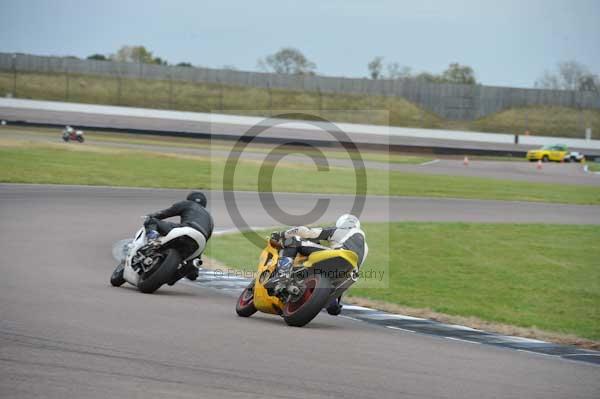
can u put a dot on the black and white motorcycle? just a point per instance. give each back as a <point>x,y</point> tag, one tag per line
<point>149,265</point>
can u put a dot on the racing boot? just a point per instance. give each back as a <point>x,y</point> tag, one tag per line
<point>192,274</point>
<point>335,306</point>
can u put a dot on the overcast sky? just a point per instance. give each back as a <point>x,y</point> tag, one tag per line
<point>507,42</point>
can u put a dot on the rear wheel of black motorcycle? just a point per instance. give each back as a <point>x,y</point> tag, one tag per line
<point>160,274</point>
<point>116,278</point>
<point>310,303</point>
<point>245,304</point>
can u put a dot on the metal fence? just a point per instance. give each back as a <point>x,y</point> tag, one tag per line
<point>449,101</point>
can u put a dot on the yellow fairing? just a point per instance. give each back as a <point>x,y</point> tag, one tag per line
<point>320,256</point>
<point>268,263</point>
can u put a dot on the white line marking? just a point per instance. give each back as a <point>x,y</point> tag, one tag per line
<point>401,329</point>
<point>398,316</point>
<point>463,340</point>
<point>509,338</point>
<point>387,316</point>
<point>537,353</point>
<point>429,162</point>
<point>355,307</point>
<point>465,328</point>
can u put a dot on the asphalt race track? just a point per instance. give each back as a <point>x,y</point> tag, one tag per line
<point>232,126</point>
<point>65,332</point>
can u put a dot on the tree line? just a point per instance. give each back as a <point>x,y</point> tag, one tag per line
<point>569,75</point>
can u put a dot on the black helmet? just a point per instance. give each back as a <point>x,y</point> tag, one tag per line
<point>197,197</point>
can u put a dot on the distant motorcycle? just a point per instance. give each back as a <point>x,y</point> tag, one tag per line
<point>149,265</point>
<point>71,134</point>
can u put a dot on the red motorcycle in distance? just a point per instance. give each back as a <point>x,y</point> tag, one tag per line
<point>71,134</point>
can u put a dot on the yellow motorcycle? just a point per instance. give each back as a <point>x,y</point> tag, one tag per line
<point>313,283</point>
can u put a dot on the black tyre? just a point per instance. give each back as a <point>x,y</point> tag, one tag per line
<point>116,278</point>
<point>545,158</point>
<point>307,307</point>
<point>65,139</point>
<point>245,303</point>
<point>80,139</point>
<point>161,273</point>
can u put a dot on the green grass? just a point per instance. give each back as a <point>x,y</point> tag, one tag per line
<point>594,167</point>
<point>216,145</point>
<point>188,96</point>
<point>543,276</point>
<point>89,165</point>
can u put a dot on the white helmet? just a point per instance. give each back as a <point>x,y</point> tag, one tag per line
<point>347,221</point>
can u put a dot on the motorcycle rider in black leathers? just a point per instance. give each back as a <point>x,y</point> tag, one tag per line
<point>192,213</point>
<point>346,234</point>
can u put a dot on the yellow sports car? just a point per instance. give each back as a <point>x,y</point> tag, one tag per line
<point>556,152</point>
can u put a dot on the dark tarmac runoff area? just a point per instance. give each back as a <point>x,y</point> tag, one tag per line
<point>66,333</point>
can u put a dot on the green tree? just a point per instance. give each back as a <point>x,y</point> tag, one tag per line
<point>569,75</point>
<point>97,57</point>
<point>429,77</point>
<point>456,73</point>
<point>159,61</point>
<point>589,83</point>
<point>288,61</point>
<point>375,67</point>
<point>137,54</point>
<point>395,71</point>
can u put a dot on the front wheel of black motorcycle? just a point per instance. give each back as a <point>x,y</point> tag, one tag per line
<point>300,312</point>
<point>161,273</point>
<point>116,278</point>
<point>245,304</point>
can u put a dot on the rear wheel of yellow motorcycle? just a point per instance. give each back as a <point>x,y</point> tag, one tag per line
<point>245,304</point>
<point>315,296</point>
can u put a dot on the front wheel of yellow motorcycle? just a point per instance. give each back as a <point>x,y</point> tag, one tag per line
<point>245,304</point>
<point>307,306</point>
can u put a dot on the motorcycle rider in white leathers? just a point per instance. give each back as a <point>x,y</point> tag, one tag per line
<point>346,234</point>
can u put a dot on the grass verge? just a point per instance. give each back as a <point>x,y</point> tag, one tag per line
<point>594,166</point>
<point>167,143</point>
<point>24,162</point>
<point>541,278</point>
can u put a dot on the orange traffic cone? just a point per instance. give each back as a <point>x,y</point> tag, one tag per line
<point>466,161</point>
<point>539,164</point>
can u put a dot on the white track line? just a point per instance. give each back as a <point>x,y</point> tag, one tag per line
<point>539,353</point>
<point>401,329</point>
<point>429,162</point>
<point>463,340</point>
